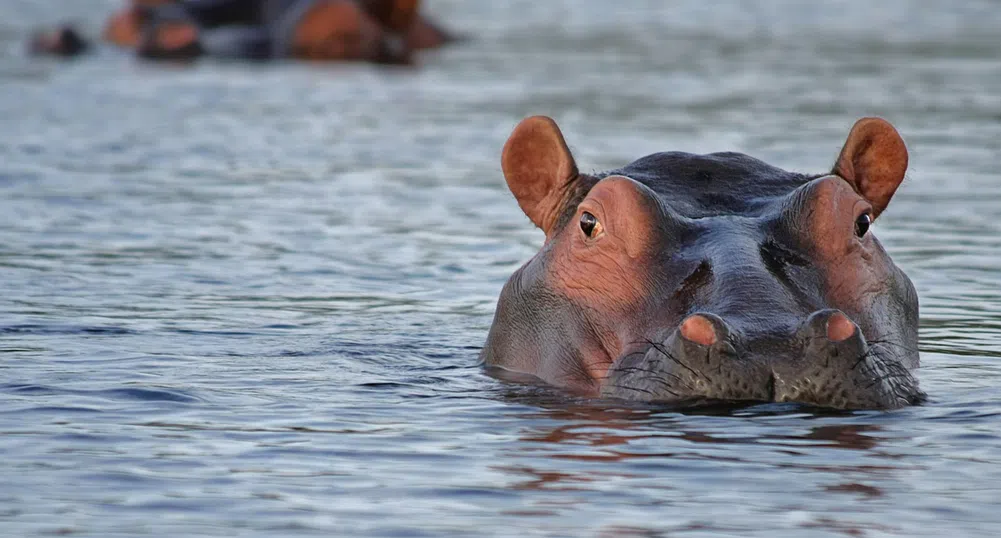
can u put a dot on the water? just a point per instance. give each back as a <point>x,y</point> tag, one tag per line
<point>248,300</point>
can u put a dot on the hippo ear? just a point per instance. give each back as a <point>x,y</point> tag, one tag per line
<point>538,167</point>
<point>873,160</point>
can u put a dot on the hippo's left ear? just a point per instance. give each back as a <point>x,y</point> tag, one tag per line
<point>538,167</point>
<point>873,160</point>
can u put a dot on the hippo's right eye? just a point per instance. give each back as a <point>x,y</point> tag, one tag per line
<point>589,224</point>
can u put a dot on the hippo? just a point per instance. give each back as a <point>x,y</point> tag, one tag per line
<point>63,41</point>
<point>689,279</point>
<point>380,31</point>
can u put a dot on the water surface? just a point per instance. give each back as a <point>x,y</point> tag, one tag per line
<point>248,300</point>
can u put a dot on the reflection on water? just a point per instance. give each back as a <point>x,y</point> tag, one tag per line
<point>249,299</point>
<point>683,464</point>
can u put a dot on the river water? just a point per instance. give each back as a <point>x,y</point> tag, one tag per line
<point>245,300</point>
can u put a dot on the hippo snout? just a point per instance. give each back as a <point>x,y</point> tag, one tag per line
<point>826,361</point>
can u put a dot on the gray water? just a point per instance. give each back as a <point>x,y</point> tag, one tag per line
<point>243,300</point>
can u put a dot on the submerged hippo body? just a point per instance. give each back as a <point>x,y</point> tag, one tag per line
<point>686,278</point>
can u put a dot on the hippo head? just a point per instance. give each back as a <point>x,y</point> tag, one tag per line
<point>690,278</point>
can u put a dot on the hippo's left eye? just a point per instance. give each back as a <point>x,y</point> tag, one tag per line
<point>862,224</point>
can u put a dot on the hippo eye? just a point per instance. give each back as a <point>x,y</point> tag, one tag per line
<point>589,224</point>
<point>862,224</point>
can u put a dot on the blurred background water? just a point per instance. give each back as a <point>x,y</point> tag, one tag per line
<point>247,300</point>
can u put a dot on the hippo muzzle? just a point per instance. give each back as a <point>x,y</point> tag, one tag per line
<point>826,362</point>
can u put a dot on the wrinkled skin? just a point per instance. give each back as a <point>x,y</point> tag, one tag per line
<point>688,278</point>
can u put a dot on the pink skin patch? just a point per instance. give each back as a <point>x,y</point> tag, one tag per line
<point>698,329</point>
<point>839,327</point>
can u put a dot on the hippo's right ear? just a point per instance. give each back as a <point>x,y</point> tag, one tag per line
<point>873,160</point>
<point>538,168</point>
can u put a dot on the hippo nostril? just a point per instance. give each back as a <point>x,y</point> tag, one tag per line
<point>699,329</point>
<point>839,327</point>
<point>828,325</point>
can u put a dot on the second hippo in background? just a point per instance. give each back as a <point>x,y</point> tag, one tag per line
<point>381,31</point>
<point>689,278</point>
